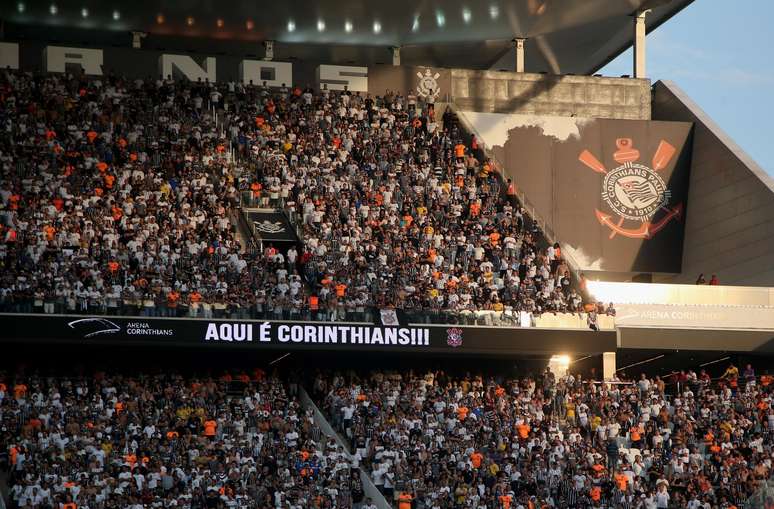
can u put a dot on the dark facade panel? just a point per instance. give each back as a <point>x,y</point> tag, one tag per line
<point>728,228</point>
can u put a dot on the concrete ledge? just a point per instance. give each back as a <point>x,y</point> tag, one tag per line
<point>546,94</point>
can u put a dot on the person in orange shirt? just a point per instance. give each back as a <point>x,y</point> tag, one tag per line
<point>505,500</point>
<point>117,213</point>
<point>476,458</point>
<point>462,413</point>
<point>459,151</point>
<point>523,430</point>
<point>314,304</point>
<point>341,289</point>
<point>404,500</point>
<point>50,231</point>
<point>109,180</point>
<point>635,435</point>
<point>172,298</point>
<point>621,481</point>
<point>596,493</point>
<point>19,391</point>
<point>256,188</point>
<point>194,299</point>
<point>210,427</point>
<point>13,452</point>
<point>475,209</point>
<point>131,459</point>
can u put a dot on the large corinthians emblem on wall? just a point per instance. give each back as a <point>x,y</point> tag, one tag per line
<point>634,191</point>
<point>428,87</point>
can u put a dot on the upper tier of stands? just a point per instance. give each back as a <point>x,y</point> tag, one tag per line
<point>120,197</point>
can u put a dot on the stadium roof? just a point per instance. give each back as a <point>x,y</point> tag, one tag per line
<point>563,36</point>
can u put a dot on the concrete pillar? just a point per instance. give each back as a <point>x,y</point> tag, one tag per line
<point>137,38</point>
<point>639,44</point>
<point>395,55</point>
<point>518,44</point>
<point>608,365</point>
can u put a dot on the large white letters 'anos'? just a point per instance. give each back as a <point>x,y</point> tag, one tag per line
<point>9,55</point>
<point>275,74</point>
<point>56,58</point>
<point>336,77</point>
<point>185,66</point>
<point>62,59</point>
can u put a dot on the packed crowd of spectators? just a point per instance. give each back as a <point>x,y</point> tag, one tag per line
<point>428,440</point>
<point>115,442</point>
<point>441,442</point>
<point>120,196</point>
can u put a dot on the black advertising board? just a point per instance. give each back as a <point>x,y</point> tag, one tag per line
<point>330,336</point>
<point>614,192</point>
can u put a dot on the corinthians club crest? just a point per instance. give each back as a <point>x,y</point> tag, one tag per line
<point>634,191</point>
<point>428,84</point>
<point>454,337</point>
<point>269,227</point>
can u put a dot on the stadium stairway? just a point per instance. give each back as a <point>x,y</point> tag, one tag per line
<point>242,232</point>
<point>319,419</point>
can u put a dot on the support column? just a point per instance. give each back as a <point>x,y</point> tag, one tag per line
<point>518,44</point>
<point>137,38</point>
<point>395,55</point>
<point>608,365</point>
<point>639,44</point>
<point>269,47</point>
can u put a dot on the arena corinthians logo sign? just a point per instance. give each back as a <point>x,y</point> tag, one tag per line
<point>634,191</point>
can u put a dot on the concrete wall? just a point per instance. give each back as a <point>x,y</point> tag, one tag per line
<point>681,295</point>
<point>544,94</point>
<point>729,223</point>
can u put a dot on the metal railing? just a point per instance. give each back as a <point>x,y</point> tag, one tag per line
<point>159,308</point>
